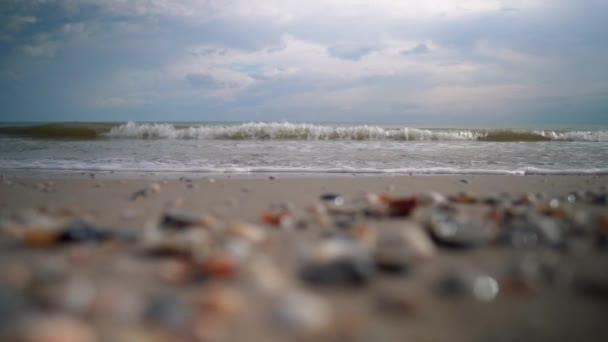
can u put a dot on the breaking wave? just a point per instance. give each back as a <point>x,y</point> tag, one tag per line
<point>304,131</point>
<point>291,131</point>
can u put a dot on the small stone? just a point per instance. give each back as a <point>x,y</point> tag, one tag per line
<point>82,232</point>
<point>271,177</point>
<point>247,231</point>
<point>453,234</point>
<point>39,237</point>
<point>464,198</point>
<point>464,181</point>
<point>220,266</point>
<point>329,196</point>
<point>154,187</point>
<point>167,311</point>
<point>338,261</point>
<point>430,198</point>
<point>272,218</point>
<point>303,313</point>
<point>482,287</point>
<point>452,285</point>
<point>485,288</point>
<point>180,219</point>
<point>401,206</point>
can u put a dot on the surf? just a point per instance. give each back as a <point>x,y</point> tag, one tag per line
<point>291,131</point>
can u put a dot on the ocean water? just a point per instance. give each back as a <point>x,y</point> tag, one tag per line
<point>300,148</point>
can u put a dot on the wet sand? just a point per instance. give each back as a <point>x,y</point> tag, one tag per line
<point>386,308</point>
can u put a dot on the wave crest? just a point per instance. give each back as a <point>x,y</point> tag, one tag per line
<point>304,131</point>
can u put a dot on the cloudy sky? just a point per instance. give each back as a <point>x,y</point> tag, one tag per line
<point>433,61</point>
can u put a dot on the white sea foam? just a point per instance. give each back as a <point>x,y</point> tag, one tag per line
<point>159,168</point>
<point>304,131</point>
<point>284,131</point>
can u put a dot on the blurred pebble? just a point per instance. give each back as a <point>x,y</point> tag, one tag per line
<point>302,313</point>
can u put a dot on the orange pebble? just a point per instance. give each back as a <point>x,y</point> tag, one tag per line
<point>221,266</point>
<point>39,237</point>
<point>272,218</point>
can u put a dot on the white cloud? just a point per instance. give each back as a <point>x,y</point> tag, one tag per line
<point>44,49</point>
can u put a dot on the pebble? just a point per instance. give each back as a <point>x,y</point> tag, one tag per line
<point>81,232</point>
<point>398,251</point>
<point>460,235</point>
<point>337,261</point>
<point>222,266</point>
<point>180,219</point>
<point>302,313</point>
<point>167,311</point>
<point>401,206</point>
<point>481,287</point>
<point>329,197</point>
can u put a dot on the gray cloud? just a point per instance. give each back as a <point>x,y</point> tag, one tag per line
<point>351,52</point>
<point>202,80</point>
<point>419,49</point>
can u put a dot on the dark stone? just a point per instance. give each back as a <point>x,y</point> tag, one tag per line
<point>167,311</point>
<point>392,261</point>
<point>402,206</point>
<point>179,219</point>
<point>342,271</point>
<point>82,232</point>
<point>451,285</point>
<point>455,235</point>
<point>328,197</point>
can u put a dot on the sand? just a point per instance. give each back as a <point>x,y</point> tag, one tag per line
<point>551,314</point>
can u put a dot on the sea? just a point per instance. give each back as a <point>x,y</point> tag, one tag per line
<point>300,148</point>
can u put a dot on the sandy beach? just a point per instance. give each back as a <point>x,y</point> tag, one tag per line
<point>266,298</point>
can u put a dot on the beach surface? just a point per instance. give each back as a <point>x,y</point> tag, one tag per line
<point>420,304</point>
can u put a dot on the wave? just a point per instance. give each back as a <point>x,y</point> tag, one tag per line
<point>293,131</point>
<point>304,131</point>
<point>79,131</point>
<point>306,170</point>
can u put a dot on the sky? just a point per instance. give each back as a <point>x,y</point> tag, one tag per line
<point>434,61</point>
